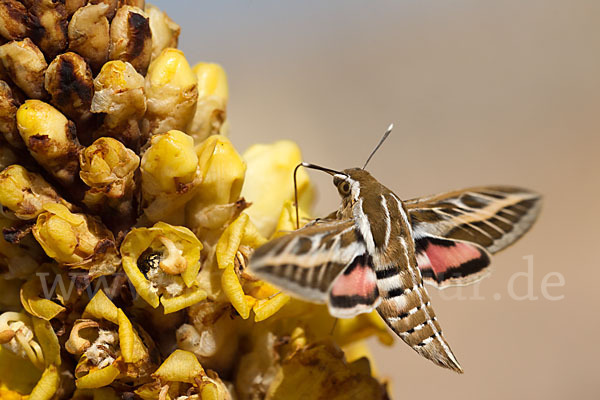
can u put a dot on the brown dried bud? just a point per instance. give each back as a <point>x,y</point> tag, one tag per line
<point>14,20</point>
<point>26,65</point>
<point>69,81</point>
<point>131,38</point>
<point>165,32</point>
<point>89,34</point>
<point>49,26</point>
<point>50,138</point>
<point>73,5</point>
<point>8,119</point>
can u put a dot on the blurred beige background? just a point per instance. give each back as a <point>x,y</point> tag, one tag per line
<point>480,93</point>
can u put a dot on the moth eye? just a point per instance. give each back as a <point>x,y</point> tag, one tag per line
<point>344,187</point>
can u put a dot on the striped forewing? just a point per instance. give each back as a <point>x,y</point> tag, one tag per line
<point>307,261</point>
<point>493,217</point>
<point>456,232</point>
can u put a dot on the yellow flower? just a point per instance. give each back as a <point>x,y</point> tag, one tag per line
<point>108,346</point>
<point>162,263</point>
<point>269,182</point>
<point>30,338</point>
<point>180,374</point>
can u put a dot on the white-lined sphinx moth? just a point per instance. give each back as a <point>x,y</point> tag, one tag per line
<point>376,251</point>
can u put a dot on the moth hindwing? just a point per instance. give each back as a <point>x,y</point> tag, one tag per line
<point>376,251</point>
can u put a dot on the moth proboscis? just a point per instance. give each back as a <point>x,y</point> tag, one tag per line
<point>376,251</point>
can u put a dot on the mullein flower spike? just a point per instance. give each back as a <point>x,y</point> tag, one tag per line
<point>128,219</point>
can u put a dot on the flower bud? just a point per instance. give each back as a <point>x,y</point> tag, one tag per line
<point>50,26</point>
<point>108,168</point>
<point>170,174</point>
<point>26,65</point>
<point>131,38</point>
<point>211,110</point>
<point>89,34</point>
<point>25,193</point>
<point>223,170</point>
<point>172,92</point>
<point>14,20</point>
<point>119,94</point>
<point>76,240</point>
<point>165,32</point>
<point>50,138</point>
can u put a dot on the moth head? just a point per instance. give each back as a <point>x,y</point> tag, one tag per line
<point>351,181</point>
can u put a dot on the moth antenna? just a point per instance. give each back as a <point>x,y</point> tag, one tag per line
<point>385,136</point>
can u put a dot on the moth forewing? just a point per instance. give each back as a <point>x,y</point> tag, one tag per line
<point>456,232</point>
<point>321,263</point>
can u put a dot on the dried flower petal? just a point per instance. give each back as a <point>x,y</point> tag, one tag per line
<point>100,307</point>
<point>36,305</point>
<point>131,38</point>
<point>324,367</point>
<point>14,20</point>
<point>50,26</point>
<point>165,31</point>
<point>25,64</point>
<point>89,34</point>
<point>98,378</point>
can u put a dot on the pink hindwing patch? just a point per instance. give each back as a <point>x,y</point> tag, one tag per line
<point>354,291</point>
<point>447,262</point>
